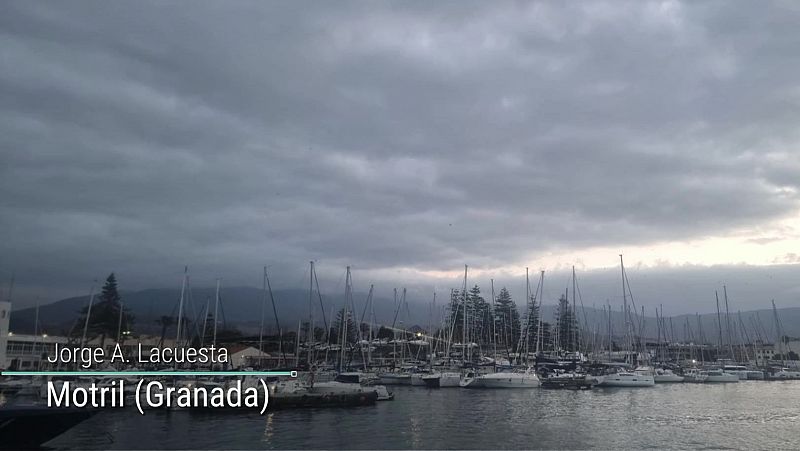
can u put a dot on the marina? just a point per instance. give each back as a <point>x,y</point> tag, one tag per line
<point>677,416</point>
<point>514,224</point>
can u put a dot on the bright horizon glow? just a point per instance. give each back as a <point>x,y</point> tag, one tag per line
<point>777,243</point>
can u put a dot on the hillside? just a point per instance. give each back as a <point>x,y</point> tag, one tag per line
<point>240,307</point>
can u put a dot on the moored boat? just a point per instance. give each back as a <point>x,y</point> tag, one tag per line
<point>720,376</point>
<point>695,375</point>
<point>395,378</point>
<point>567,381</point>
<point>628,379</point>
<point>442,380</point>
<point>785,374</point>
<point>470,379</point>
<point>666,375</point>
<point>521,379</point>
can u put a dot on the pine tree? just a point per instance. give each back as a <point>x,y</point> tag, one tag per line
<point>456,317</point>
<point>568,332</point>
<point>481,316</point>
<point>508,321</point>
<point>350,332</point>
<point>104,318</point>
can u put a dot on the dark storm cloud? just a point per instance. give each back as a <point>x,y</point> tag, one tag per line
<point>140,137</point>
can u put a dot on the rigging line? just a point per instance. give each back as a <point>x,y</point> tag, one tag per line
<point>190,300</point>
<point>583,309</point>
<point>635,313</point>
<point>321,305</point>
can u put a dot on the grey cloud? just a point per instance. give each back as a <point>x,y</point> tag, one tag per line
<point>141,137</point>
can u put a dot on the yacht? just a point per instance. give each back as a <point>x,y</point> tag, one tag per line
<point>623,378</point>
<point>517,379</point>
<point>664,375</point>
<point>418,379</point>
<point>442,380</point>
<point>756,375</point>
<point>395,378</point>
<point>719,375</point>
<point>568,381</point>
<point>26,422</point>
<point>344,388</point>
<point>739,370</point>
<point>786,374</point>
<point>695,375</point>
<point>470,379</point>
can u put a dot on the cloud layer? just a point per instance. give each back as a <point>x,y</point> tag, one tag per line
<point>402,138</point>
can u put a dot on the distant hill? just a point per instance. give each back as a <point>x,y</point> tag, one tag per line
<point>240,307</point>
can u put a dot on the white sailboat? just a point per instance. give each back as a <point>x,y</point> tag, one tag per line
<point>442,379</point>
<point>718,375</point>
<point>395,378</point>
<point>666,375</point>
<point>637,378</point>
<point>786,374</point>
<point>521,379</point>
<point>470,379</point>
<point>641,377</point>
<point>695,375</point>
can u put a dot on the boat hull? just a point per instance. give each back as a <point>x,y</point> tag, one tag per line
<point>722,378</point>
<point>563,383</point>
<point>618,380</point>
<point>755,375</point>
<point>395,379</point>
<point>667,378</point>
<point>509,380</point>
<point>785,376</point>
<point>449,380</point>
<point>29,427</point>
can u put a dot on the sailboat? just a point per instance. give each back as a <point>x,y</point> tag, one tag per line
<point>695,375</point>
<point>509,379</point>
<point>518,378</point>
<point>666,375</point>
<point>442,379</point>
<point>720,375</point>
<point>642,376</point>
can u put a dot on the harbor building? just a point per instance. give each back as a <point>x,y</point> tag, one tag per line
<point>5,319</point>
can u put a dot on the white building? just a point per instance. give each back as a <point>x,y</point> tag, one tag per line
<point>5,318</point>
<point>26,352</point>
<point>245,356</point>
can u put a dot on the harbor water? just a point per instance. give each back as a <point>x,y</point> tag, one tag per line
<point>745,415</point>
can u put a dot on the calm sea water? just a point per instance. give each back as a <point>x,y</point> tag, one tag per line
<point>745,415</point>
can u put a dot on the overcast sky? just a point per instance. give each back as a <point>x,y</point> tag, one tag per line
<point>406,139</point>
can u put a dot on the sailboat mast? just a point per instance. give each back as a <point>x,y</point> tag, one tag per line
<point>216,312</point>
<point>263,301</point>
<point>205,320</point>
<point>180,305</point>
<point>88,313</point>
<point>464,327</point>
<point>624,307</point>
<point>539,326</point>
<point>275,312</point>
<point>310,312</point>
<point>719,322</point>
<point>728,320</point>
<point>573,316</point>
<point>494,324</point>
<point>779,334</point>
<point>119,323</point>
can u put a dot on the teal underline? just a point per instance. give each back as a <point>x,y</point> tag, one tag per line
<point>148,373</point>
